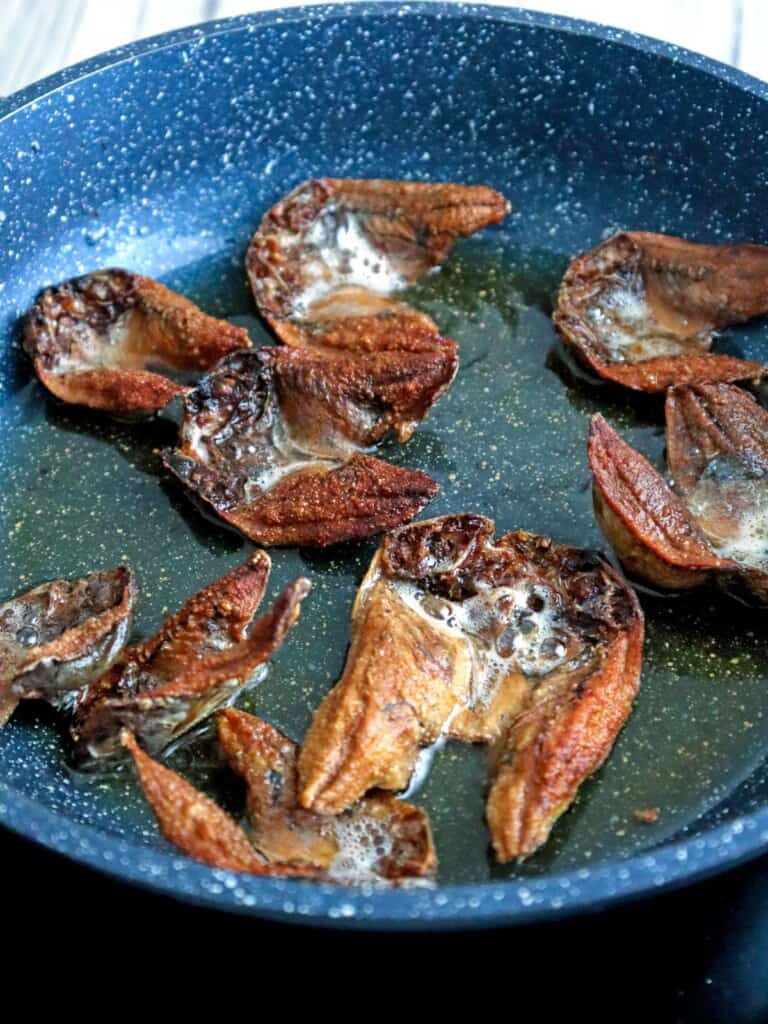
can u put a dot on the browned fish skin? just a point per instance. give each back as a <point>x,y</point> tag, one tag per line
<point>561,738</point>
<point>393,327</point>
<point>709,421</point>
<point>401,682</point>
<point>283,832</point>
<point>518,641</point>
<point>96,340</point>
<point>646,523</point>
<point>412,225</point>
<point>58,637</point>
<point>717,451</point>
<point>238,453</point>
<point>357,366</point>
<point>404,677</point>
<point>686,290</point>
<point>333,401</point>
<point>194,823</point>
<point>203,656</point>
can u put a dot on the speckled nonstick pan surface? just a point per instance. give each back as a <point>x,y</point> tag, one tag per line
<point>161,158</point>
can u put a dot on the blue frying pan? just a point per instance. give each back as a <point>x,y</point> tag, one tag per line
<point>161,157</point>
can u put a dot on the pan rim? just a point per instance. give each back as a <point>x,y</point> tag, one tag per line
<point>477,905</point>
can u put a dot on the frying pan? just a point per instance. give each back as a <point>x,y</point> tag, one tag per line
<point>161,157</point>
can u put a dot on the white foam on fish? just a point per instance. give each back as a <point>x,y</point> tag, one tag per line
<point>363,841</point>
<point>733,515</point>
<point>623,322</point>
<point>342,255</point>
<point>510,629</point>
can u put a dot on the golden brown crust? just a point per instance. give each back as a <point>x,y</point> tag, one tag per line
<point>562,737</point>
<point>411,226</point>
<point>646,523</point>
<point>368,325</point>
<point>640,308</point>
<point>201,658</point>
<point>333,401</point>
<point>708,421</point>
<point>283,832</point>
<point>716,519</point>
<point>722,284</point>
<point>194,823</point>
<point>358,364</point>
<point>517,640</point>
<point>327,257</point>
<point>122,392</point>
<point>656,375</point>
<point>717,451</point>
<point>357,499</point>
<point>276,467</point>
<point>95,341</point>
<point>58,637</point>
<point>402,680</point>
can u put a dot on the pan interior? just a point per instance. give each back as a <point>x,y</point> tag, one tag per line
<point>80,492</point>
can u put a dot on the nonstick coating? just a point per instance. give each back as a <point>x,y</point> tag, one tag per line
<point>161,157</point>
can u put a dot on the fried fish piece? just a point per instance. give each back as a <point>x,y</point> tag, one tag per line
<point>406,674</point>
<point>380,838</point>
<point>646,523</point>
<point>567,727</point>
<point>58,637</point>
<point>641,309</point>
<point>276,441</point>
<point>714,524</point>
<point>203,656</point>
<point>326,259</point>
<point>118,342</point>
<point>518,641</point>
<point>334,402</point>
<point>194,823</point>
<point>269,441</point>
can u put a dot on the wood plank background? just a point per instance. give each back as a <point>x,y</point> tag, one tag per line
<point>38,37</point>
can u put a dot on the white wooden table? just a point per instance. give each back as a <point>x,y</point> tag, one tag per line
<point>38,37</point>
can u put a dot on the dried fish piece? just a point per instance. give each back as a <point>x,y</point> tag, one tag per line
<point>380,838</point>
<point>641,309</point>
<point>518,641</point>
<point>268,440</point>
<point>334,402</point>
<point>565,732</point>
<point>276,441</point>
<point>646,523</point>
<point>714,524</point>
<point>194,823</point>
<point>58,637</point>
<point>203,656</point>
<point>406,674</point>
<point>120,342</point>
<point>327,258</point>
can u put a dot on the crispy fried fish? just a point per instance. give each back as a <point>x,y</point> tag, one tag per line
<point>520,642</point>
<point>203,656</point>
<point>641,309</point>
<point>118,342</point>
<point>271,442</point>
<point>327,258</point>
<point>194,823</point>
<point>59,636</point>
<point>713,522</point>
<point>277,441</point>
<point>379,838</point>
